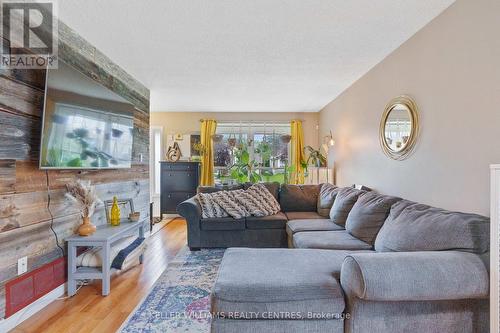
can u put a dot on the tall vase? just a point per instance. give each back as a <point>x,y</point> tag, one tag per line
<point>86,228</point>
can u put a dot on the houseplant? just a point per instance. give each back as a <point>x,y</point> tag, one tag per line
<point>83,194</point>
<point>244,169</point>
<point>315,158</point>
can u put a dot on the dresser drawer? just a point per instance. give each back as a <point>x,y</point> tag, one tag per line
<point>179,166</point>
<point>169,201</point>
<point>179,181</point>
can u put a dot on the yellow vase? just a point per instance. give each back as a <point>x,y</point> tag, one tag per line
<point>115,213</point>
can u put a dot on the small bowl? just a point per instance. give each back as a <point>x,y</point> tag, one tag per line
<point>134,217</point>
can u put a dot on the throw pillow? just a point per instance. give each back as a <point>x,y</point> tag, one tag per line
<point>227,200</point>
<point>326,198</point>
<point>344,201</point>
<point>258,201</point>
<point>209,207</point>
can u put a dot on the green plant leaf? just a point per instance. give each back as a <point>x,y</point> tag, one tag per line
<point>235,174</point>
<point>245,157</point>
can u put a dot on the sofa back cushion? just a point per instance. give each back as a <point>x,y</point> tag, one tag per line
<point>212,189</point>
<point>368,215</point>
<point>326,197</point>
<point>299,198</point>
<point>344,201</point>
<point>417,227</point>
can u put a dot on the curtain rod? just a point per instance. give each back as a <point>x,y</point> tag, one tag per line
<point>252,121</point>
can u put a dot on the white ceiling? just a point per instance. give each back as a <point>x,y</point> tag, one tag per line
<point>247,55</point>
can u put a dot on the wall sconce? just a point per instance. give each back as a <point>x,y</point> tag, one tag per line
<point>330,140</point>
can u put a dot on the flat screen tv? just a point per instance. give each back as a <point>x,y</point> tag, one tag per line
<point>85,125</point>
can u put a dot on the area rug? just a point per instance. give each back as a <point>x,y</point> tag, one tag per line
<point>180,299</point>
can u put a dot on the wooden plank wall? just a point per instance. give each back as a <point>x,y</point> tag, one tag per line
<point>25,215</point>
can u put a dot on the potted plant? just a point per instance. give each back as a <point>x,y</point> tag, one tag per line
<point>315,157</point>
<point>244,169</point>
<point>83,194</point>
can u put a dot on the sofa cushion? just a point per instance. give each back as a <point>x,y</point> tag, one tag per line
<point>368,215</point>
<point>417,227</point>
<point>276,221</point>
<point>222,223</point>
<point>294,226</point>
<point>299,198</point>
<point>326,198</point>
<point>278,280</point>
<point>333,240</point>
<point>303,215</point>
<point>345,199</point>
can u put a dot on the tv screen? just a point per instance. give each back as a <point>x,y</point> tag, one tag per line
<point>85,125</point>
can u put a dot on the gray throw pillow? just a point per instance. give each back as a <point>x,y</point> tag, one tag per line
<point>345,199</point>
<point>326,198</point>
<point>417,227</point>
<point>368,215</point>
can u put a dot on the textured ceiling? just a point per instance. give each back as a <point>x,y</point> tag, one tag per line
<point>247,55</point>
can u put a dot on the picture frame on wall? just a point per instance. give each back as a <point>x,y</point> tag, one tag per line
<point>194,139</point>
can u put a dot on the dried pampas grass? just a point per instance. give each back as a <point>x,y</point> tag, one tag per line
<point>83,193</point>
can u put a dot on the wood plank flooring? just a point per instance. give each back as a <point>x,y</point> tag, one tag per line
<point>88,311</point>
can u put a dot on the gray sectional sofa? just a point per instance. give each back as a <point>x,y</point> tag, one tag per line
<point>296,201</point>
<point>362,262</point>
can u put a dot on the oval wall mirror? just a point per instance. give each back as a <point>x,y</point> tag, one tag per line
<point>399,127</point>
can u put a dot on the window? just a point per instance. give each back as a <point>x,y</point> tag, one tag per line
<point>257,144</point>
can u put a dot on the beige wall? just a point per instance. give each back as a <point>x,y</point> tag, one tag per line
<point>188,122</point>
<point>452,69</point>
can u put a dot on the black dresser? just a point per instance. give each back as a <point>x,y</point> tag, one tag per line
<point>179,181</point>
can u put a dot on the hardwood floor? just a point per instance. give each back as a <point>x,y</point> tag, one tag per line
<point>88,311</point>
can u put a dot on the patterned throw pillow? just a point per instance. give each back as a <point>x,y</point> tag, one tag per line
<point>258,201</point>
<point>227,200</point>
<point>209,207</point>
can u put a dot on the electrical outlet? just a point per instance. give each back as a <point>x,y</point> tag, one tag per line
<point>22,265</point>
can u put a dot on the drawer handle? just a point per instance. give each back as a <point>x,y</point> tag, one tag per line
<point>170,175</point>
<point>189,175</point>
<point>169,196</point>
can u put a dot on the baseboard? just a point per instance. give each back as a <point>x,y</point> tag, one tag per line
<point>23,314</point>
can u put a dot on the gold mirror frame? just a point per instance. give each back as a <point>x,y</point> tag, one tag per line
<point>410,104</point>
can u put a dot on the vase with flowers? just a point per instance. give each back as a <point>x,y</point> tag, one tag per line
<point>83,194</point>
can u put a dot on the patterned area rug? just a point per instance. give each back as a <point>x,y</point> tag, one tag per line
<point>180,300</point>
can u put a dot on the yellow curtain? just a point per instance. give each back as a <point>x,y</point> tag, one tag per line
<point>298,156</point>
<point>208,128</point>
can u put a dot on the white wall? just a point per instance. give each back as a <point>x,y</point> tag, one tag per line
<point>452,69</point>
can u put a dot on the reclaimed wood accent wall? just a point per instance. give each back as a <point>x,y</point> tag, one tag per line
<point>25,212</point>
